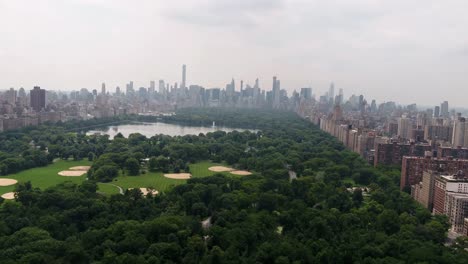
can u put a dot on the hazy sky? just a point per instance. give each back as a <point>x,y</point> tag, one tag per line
<point>402,50</point>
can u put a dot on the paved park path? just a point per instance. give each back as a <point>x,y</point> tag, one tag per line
<point>120,188</point>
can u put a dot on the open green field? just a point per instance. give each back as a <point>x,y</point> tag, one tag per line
<point>157,180</point>
<point>107,188</point>
<point>44,177</point>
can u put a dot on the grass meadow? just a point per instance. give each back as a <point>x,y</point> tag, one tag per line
<point>45,177</point>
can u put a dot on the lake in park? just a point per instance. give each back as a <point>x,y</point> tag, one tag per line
<point>151,129</point>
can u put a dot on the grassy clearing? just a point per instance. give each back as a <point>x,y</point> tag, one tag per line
<point>107,188</point>
<point>45,177</point>
<point>157,180</point>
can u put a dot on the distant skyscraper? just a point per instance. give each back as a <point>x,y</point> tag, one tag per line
<point>231,88</point>
<point>21,92</point>
<point>444,109</point>
<point>276,92</point>
<point>437,111</point>
<point>306,93</point>
<point>117,90</point>
<point>162,87</point>
<point>256,84</point>
<point>37,98</point>
<point>152,87</point>
<point>331,92</point>
<point>233,85</point>
<point>184,72</point>
<point>10,96</point>
<point>103,88</point>
<point>373,106</point>
<point>430,112</point>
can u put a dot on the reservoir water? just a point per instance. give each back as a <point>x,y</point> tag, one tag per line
<point>151,129</point>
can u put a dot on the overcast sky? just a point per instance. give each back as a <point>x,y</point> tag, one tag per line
<point>401,50</point>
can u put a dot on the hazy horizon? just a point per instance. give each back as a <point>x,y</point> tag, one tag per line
<point>402,51</point>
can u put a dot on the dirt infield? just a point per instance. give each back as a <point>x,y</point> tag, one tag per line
<point>241,172</point>
<point>220,169</point>
<point>8,195</point>
<point>7,182</point>
<point>80,168</point>
<point>71,173</point>
<point>178,176</point>
<point>145,191</point>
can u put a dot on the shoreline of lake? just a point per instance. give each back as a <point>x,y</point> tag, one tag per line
<point>150,129</point>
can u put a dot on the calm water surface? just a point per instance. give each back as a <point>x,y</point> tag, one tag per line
<point>151,129</point>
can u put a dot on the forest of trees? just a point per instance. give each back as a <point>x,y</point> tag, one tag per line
<point>262,218</point>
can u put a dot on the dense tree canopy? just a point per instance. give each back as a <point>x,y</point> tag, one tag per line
<point>267,217</point>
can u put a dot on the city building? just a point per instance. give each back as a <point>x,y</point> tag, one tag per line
<point>451,199</point>
<point>404,127</point>
<point>38,98</point>
<point>423,192</point>
<point>460,135</point>
<point>413,167</point>
<point>183,85</point>
<point>393,153</point>
<point>444,109</point>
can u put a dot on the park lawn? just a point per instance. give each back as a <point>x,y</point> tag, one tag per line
<point>157,180</point>
<point>200,169</point>
<point>107,188</point>
<point>44,177</point>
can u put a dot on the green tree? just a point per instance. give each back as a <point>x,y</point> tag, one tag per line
<point>133,166</point>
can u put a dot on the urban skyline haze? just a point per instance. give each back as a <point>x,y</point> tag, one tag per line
<point>403,51</point>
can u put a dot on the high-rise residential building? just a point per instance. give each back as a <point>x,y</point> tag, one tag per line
<point>457,153</point>
<point>444,109</point>
<point>38,101</point>
<point>404,127</point>
<point>103,88</point>
<point>459,138</point>
<point>437,111</point>
<point>393,153</point>
<point>412,167</point>
<point>423,192</point>
<point>184,75</point>
<point>438,132</point>
<point>451,198</point>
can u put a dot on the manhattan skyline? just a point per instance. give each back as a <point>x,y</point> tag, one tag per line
<point>407,52</point>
